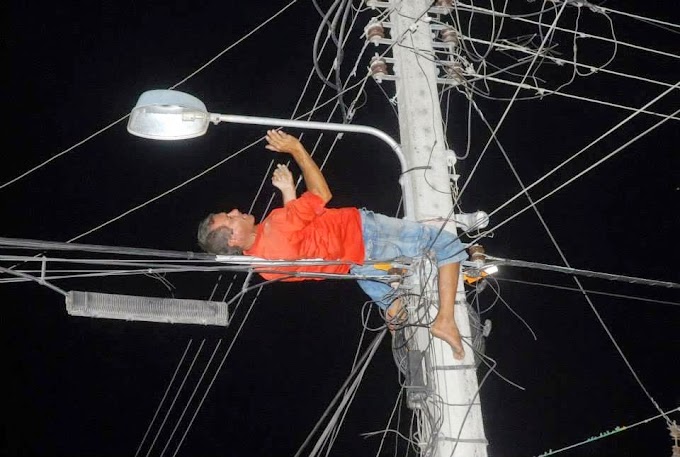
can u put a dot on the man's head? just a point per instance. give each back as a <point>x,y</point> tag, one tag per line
<point>227,233</point>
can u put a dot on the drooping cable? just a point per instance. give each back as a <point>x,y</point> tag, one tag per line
<point>315,53</point>
<point>562,29</point>
<point>521,319</point>
<point>560,61</point>
<point>638,17</point>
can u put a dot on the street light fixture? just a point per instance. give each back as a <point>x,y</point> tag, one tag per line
<point>168,115</point>
<point>174,115</point>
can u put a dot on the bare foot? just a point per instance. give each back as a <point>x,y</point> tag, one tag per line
<point>447,331</point>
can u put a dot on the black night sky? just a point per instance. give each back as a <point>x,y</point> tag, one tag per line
<point>88,387</point>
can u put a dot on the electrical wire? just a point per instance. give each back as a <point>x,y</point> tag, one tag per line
<point>239,296</point>
<point>561,29</point>
<point>563,257</point>
<point>590,291</point>
<point>580,272</point>
<point>163,194</point>
<point>507,108</point>
<point>174,400</point>
<point>165,395</point>
<point>315,54</point>
<point>572,157</point>
<point>65,151</point>
<point>557,60</point>
<point>542,92</point>
<point>191,397</point>
<point>217,371</point>
<point>364,360</point>
<point>116,122</point>
<point>40,281</point>
<point>588,169</point>
<point>592,306</point>
<point>644,19</point>
<point>521,319</point>
<point>607,434</point>
<point>336,105</point>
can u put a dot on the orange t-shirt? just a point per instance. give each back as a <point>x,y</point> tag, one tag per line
<point>305,229</point>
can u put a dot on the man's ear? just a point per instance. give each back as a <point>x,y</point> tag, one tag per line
<point>232,242</point>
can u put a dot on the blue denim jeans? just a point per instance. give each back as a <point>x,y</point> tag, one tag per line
<point>386,238</point>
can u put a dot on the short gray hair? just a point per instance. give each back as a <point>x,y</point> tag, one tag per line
<point>215,241</point>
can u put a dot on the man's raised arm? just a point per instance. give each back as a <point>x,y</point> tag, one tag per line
<point>282,142</point>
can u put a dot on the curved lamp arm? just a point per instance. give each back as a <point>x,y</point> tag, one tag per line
<point>174,115</point>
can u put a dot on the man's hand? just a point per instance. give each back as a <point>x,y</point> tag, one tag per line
<point>282,179</point>
<point>282,142</point>
<point>279,141</point>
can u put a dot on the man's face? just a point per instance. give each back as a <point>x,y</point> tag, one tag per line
<point>241,225</point>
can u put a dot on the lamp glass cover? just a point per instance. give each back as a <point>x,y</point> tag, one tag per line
<point>168,115</point>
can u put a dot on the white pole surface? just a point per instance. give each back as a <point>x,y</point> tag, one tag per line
<point>455,400</point>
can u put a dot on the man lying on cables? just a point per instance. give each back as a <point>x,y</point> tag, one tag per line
<point>305,229</point>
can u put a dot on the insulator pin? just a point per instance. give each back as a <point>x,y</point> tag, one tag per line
<point>374,32</point>
<point>456,71</point>
<point>477,254</point>
<point>450,36</point>
<point>378,68</point>
<point>400,272</point>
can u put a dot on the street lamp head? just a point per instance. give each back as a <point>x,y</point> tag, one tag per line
<point>168,115</point>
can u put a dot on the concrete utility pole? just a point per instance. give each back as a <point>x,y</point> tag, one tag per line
<point>449,395</point>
